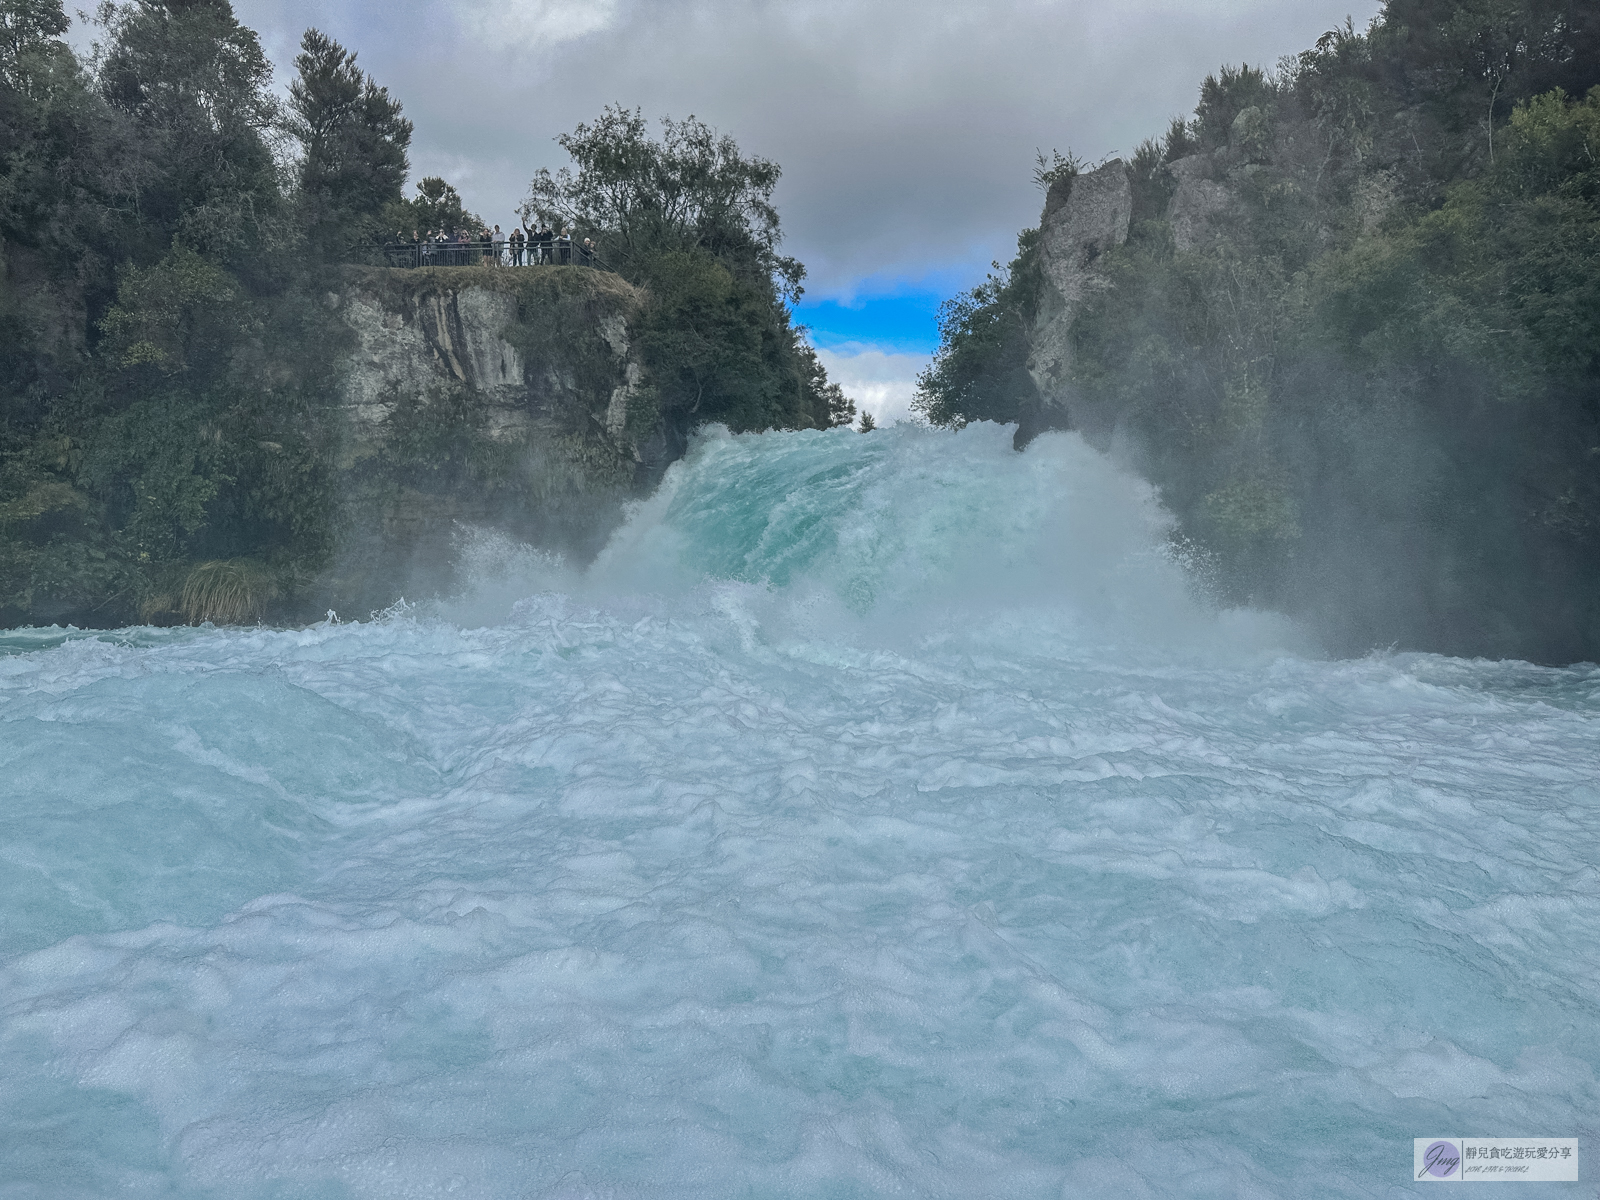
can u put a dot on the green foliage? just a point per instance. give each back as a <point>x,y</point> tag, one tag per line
<point>1474,59</point>
<point>1047,172</point>
<point>194,88</point>
<point>354,143</point>
<point>1226,97</point>
<point>1180,140</point>
<point>692,191</point>
<point>1374,399</point>
<point>1151,181</point>
<point>173,315</point>
<point>59,156</point>
<point>436,206</point>
<point>27,26</point>
<point>980,372</point>
<point>690,219</point>
<point>721,350</point>
<point>167,382</point>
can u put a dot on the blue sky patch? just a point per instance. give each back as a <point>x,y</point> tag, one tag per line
<point>904,323</point>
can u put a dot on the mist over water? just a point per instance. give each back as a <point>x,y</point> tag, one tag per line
<point>878,815</point>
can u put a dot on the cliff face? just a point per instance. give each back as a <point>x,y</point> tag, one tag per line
<point>487,398</point>
<point>1084,216</point>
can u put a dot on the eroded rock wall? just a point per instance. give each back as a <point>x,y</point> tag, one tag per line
<point>480,399</point>
<point>1084,216</point>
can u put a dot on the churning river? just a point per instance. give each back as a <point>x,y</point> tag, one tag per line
<point>880,815</point>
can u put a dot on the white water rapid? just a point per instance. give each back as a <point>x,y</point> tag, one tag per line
<point>879,816</point>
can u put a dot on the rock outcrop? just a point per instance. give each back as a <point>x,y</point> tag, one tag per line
<point>538,355</point>
<point>1084,216</point>
<point>488,398</point>
<point>1199,204</point>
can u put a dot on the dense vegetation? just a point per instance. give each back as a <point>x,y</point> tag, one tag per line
<point>1374,399</point>
<point>169,427</point>
<point>690,219</point>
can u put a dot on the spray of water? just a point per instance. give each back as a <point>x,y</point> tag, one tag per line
<point>904,533</point>
<point>878,815</point>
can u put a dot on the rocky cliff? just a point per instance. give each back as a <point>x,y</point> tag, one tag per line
<point>486,398</point>
<point>1084,216</point>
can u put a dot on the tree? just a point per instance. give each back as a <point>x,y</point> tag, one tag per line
<point>353,142</point>
<point>1472,60</point>
<point>690,218</point>
<point>436,206</point>
<point>49,149</point>
<point>58,152</point>
<point>194,85</point>
<point>28,28</point>
<point>980,371</point>
<point>692,190</point>
<point>721,350</point>
<point>1223,97</point>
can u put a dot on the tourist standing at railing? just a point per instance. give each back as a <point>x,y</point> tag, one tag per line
<point>498,241</point>
<point>564,242</point>
<point>515,241</point>
<point>586,255</point>
<point>547,243</point>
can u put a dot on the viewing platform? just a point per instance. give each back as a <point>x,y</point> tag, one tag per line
<point>557,252</point>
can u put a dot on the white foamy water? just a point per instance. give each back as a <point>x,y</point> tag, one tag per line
<point>880,816</point>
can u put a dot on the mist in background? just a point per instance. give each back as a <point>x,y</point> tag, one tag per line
<point>906,131</point>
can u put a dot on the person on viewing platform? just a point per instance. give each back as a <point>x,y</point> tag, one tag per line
<point>586,252</point>
<point>546,243</point>
<point>564,246</point>
<point>515,241</point>
<point>497,241</point>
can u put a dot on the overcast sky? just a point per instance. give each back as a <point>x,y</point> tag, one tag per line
<point>906,128</point>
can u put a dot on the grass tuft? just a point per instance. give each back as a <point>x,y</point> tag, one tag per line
<point>234,591</point>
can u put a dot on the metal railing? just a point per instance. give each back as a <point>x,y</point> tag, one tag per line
<point>557,252</point>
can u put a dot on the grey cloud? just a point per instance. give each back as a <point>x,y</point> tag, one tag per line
<point>906,129</point>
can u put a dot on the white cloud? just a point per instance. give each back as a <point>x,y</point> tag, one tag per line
<point>537,26</point>
<point>879,381</point>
